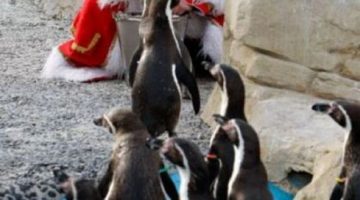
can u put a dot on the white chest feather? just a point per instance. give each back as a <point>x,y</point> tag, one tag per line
<point>169,16</point>
<point>238,159</point>
<point>224,97</point>
<point>111,190</point>
<point>173,70</point>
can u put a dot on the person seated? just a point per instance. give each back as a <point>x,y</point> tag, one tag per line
<point>93,54</point>
<point>204,32</point>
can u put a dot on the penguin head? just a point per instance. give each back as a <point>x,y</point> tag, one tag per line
<point>75,189</point>
<point>119,121</point>
<point>346,114</point>
<point>229,130</point>
<point>182,153</point>
<point>155,7</point>
<point>216,72</point>
<point>238,132</point>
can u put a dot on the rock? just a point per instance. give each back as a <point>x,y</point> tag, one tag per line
<point>297,141</point>
<point>326,169</point>
<point>352,69</point>
<point>279,73</point>
<point>330,85</point>
<point>286,48</point>
<point>303,31</point>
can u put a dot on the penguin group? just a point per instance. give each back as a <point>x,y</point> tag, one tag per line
<point>138,168</point>
<point>232,168</point>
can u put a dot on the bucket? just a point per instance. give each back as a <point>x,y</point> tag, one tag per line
<point>128,30</point>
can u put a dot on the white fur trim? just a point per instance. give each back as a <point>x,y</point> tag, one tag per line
<point>56,67</point>
<point>103,3</point>
<point>212,42</point>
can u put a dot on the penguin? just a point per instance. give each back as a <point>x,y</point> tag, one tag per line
<point>81,189</point>
<point>220,157</point>
<point>185,54</point>
<point>248,179</point>
<point>156,91</point>
<point>60,187</point>
<point>232,90</point>
<point>133,172</point>
<point>347,115</point>
<point>189,162</point>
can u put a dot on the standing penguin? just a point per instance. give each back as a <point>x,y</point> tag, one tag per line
<point>133,171</point>
<point>220,157</point>
<point>347,115</point>
<point>189,162</point>
<point>156,93</point>
<point>248,179</point>
<point>232,90</point>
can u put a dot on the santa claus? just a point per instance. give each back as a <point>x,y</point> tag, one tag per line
<point>204,33</point>
<point>94,52</point>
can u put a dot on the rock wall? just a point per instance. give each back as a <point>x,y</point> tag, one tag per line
<point>59,9</point>
<point>292,54</point>
<point>307,46</point>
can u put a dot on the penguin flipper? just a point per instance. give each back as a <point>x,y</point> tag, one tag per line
<point>134,63</point>
<point>169,186</point>
<point>337,192</point>
<point>186,78</point>
<point>105,181</point>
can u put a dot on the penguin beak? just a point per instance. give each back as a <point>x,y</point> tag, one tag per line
<point>154,143</point>
<point>60,176</point>
<point>322,108</point>
<point>98,121</point>
<point>221,120</point>
<point>207,65</point>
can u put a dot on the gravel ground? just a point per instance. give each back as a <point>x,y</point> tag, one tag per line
<point>44,124</point>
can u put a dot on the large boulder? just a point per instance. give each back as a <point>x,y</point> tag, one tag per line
<point>295,37</point>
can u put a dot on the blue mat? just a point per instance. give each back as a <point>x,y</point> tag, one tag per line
<point>276,191</point>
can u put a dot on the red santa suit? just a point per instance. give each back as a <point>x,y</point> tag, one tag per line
<point>208,27</point>
<point>94,52</point>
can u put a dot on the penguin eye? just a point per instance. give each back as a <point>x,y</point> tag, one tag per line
<point>339,117</point>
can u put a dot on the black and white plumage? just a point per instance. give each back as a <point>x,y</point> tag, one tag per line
<point>188,159</point>
<point>133,172</point>
<point>347,115</point>
<point>221,152</point>
<point>156,79</point>
<point>248,179</point>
